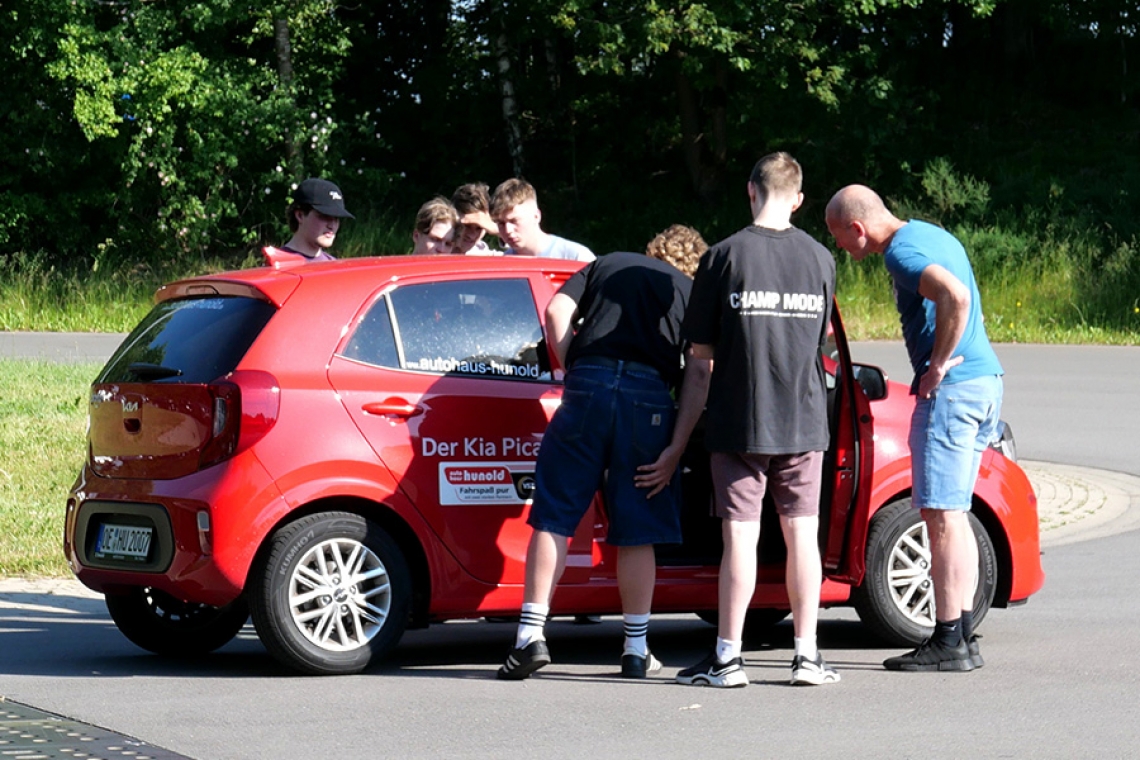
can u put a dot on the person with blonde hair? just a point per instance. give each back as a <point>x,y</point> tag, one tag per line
<point>435,227</point>
<point>514,209</point>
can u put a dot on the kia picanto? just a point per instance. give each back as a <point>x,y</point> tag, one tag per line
<point>345,450</point>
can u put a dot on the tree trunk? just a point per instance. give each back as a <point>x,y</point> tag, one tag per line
<point>510,107</point>
<point>284,49</point>
<point>704,180</point>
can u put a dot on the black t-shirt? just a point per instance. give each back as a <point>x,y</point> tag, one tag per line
<point>762,299</point>
<point>631,307</point>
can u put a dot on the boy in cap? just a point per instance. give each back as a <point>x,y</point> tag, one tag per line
<point>314,219</point>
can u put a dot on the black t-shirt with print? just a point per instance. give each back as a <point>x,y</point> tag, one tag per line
<point>631,307</point>
<point>762,298</point>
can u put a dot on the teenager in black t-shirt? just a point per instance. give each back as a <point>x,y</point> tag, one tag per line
<point>616,414</point>
<point>760,309</point>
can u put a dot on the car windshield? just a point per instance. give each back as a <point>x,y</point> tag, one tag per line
<point>192,340</point>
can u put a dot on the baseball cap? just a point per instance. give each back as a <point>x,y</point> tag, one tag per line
<point>322,196</point>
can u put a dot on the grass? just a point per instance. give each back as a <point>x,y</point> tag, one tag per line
<point>43,412</point>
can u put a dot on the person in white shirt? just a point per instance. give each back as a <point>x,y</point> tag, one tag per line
<point>514,209</point>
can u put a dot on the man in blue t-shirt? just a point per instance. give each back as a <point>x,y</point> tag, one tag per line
<point>957,381</point>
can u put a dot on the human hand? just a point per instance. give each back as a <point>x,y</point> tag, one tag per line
<point>480,219</point>
<point>934,375</point>
<point>659,474</point>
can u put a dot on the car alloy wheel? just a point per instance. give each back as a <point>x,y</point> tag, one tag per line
<point>333,594</point>
<point>896,598</point>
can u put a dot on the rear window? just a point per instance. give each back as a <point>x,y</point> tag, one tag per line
<point>192,340</point>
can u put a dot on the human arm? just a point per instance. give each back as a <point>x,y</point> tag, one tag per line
<point>482,219</point>
<point>694,394</point>
<point>952,311</point>
<point>560,315</point>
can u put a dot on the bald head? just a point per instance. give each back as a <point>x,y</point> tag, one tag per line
<point>856,202</point>
<point>859,221</point>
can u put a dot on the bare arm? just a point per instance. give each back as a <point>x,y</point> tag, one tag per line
<point>694,394</point>
<point>952,301</point>
<point>560,315</point>
<point>481,218</point>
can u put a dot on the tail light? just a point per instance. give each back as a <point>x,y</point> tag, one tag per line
<point>246,403</point>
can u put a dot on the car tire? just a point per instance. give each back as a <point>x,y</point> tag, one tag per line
<point>159,623</point>
<point>332,595</point>
<point>896,598</point>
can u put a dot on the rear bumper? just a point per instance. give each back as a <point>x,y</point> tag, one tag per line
<point>204,539</point>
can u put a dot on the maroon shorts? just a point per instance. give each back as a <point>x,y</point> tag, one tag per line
<point>740,480</point>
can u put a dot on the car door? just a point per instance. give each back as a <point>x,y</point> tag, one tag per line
<point>846,512</point>
<point>448,379</point>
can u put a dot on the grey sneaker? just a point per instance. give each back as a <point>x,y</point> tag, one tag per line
<point>712,672</point>
<point>815,672</point>
<point>636,666</point>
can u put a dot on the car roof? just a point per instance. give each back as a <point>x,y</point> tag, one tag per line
<point>276,285</point>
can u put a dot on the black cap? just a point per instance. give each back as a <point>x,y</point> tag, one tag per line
<point>321,195</point>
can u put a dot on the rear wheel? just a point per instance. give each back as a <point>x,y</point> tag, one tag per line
<point>159,623</point>
<point>333,594</point>
<point>896,598</point>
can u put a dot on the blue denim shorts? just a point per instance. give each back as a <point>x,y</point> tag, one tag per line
<point>612,420</point>
<point>948,433</point>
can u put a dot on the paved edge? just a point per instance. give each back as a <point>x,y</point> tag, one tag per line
<point>1082,503</point>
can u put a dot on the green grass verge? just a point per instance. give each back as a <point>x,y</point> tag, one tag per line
<point>43,413</point>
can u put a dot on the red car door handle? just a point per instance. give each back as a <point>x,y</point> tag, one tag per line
<point>394,408</point>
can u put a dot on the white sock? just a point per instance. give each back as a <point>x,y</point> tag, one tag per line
<point>727,650</point>
<point>636,628</point>
<point>532,621</point>
<point>806,647</point>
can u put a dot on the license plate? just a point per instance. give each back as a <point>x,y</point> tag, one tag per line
<point>123,542</point>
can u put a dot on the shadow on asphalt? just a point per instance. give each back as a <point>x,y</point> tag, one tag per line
<point>74,637</point>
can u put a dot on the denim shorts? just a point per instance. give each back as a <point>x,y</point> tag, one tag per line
<point>612,420</point>
<point>948,433</point>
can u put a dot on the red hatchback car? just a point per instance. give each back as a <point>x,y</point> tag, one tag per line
<point>346,449</point>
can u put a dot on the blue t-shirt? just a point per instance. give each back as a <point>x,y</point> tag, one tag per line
<point>913,248</point>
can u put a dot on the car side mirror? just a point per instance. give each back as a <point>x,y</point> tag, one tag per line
<point>872,380</point>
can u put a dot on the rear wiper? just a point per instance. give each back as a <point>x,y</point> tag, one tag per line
<point>147,371</point>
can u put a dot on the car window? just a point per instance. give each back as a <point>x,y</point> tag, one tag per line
<point>487,328</point>
<point>190,340</point>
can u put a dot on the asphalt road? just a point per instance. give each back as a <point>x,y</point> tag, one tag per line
<point>1062,677</point>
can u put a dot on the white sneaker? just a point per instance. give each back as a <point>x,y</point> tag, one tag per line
<point>815,672</point>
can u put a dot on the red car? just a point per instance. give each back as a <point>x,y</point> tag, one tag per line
<point>347,449</point>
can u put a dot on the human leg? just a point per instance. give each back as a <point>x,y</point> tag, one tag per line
<point>948,434</point>
<point>794,481</point>
<point>545,561</point>
<point>636,573</point>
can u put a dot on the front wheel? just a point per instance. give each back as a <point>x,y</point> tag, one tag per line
<point>333,593</point>
<point>896,598</point>
<point>159,623</point>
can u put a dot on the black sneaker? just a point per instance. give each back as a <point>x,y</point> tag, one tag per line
<point>975,652</point>
<point>522,662</point>
<point>636,666</point>
<point>815,672</point>
<point>931,656</point>
<point>712,672</point>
